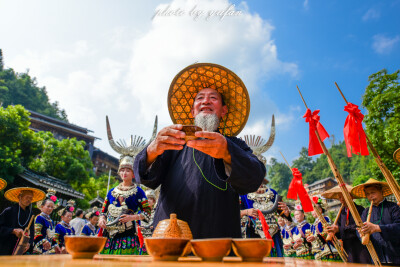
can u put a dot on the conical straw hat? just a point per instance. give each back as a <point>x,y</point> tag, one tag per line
<point>358,191</point>
<point>335,192</point>
<point>13,194</point>
<point>188,82</point>
<point>396,156</point>
<point>3,184</point>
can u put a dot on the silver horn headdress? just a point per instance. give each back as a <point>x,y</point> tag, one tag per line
<point>258,144</point>
<point>128,153</point>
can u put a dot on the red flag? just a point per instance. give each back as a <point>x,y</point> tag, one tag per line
<point>140,236</point>
<point>314,148</point>
<point>354,135</point>
<point>296,188</point>
<point>265,226</point>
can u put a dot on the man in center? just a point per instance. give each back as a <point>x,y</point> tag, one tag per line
<point>201,180</point>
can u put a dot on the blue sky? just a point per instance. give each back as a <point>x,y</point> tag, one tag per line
<point>100,58</point>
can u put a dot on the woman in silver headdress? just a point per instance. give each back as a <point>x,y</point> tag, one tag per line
<point>125,205</point>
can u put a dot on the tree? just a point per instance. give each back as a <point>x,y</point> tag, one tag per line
<point>382,122</point>
<point>20,88</point>
<point>65,159</point>
<point>279,176</point>
<point>18,144</point>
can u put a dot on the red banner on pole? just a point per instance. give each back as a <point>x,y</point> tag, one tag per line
<point>314,148</point>
<point>354,135</point>
<point>296,188</point>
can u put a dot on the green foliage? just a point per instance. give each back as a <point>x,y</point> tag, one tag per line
<point>20,88</point>
<point>93,187</point>
<point>18,144</point>
<point>382,122</point>
<point>279,176</point>
<point>65,159</point>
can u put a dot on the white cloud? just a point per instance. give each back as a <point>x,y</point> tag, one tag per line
<point>371,14</point>
<point>126,71</point>
<point>384,45</point>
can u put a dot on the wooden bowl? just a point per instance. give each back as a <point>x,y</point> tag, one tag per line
<point>84,247</point>
<point>166,249</point>
<point>252,249</point>
<point>213,249</point>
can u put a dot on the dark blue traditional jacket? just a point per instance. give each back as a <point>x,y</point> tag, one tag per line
<point>387,242</point>
<point>9,220</point>
<point>195,187</point>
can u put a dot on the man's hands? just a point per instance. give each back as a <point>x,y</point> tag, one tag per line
<point>129,218</point>
<point>214,145</point>
<point>333,229</point>
<point>169,138</point>
<point>18,232</point>
<point>249,212</point>
<point>172,138</point>
<point>369,228</point>
<point>284,208</point>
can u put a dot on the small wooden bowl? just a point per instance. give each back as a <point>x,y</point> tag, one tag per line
<point>84,247</point>
<point>212,249</point>
<point>189,130</point>
<point>252,249</point>
<point>166,249</point>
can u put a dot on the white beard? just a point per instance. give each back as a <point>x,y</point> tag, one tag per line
<point>207,122</point>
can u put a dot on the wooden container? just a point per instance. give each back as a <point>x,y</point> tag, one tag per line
<point>211,249</point>
<point>84,247</point>
<point>252,249</point>
<point>174,228</point>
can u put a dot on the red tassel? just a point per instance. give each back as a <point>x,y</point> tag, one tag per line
<point>296,189</point>
<point>100,233</point>
<point>140,236</point>
<point>354,135</point>
<point>314,148</point>
<point>265,226</point>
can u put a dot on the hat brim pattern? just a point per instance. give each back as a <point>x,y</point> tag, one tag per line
<point>396,156</point>
<point>3,184</point>
<point>358,191</point>
<point>13,194</point>
<point>188,82</point>
<point>336,192</point>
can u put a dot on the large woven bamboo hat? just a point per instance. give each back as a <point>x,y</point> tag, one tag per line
<point>396,156</point>
<point>189,81</point>
<point>335,192</point>
<point>13,194</point>
<point>3,184</point>
<point>358,191</point>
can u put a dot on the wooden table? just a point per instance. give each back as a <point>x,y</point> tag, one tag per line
<point>146,261</point>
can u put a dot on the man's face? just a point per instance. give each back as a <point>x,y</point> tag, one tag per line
<point>25,198</point>
<point>209,101</point>
<point>374,194</point>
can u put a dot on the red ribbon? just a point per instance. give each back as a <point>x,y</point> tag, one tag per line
<point>100,233</point>
<point>265,226</point>
<point>296,188</point>
<point>140,236</point>
<point>354,135</point>
<point>314,148</point>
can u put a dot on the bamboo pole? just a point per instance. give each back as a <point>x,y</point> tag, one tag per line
<point>330,236</point>
<point>385,171</point>
<point>350,204</point>
<point>365,238</point>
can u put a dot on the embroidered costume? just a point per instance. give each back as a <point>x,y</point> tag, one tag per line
<point>122,237</point>
<point>63,229</point>
<point>301,232</point>
<point>322,249</point>
<point>44,231</point>
<point>89,230</point>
